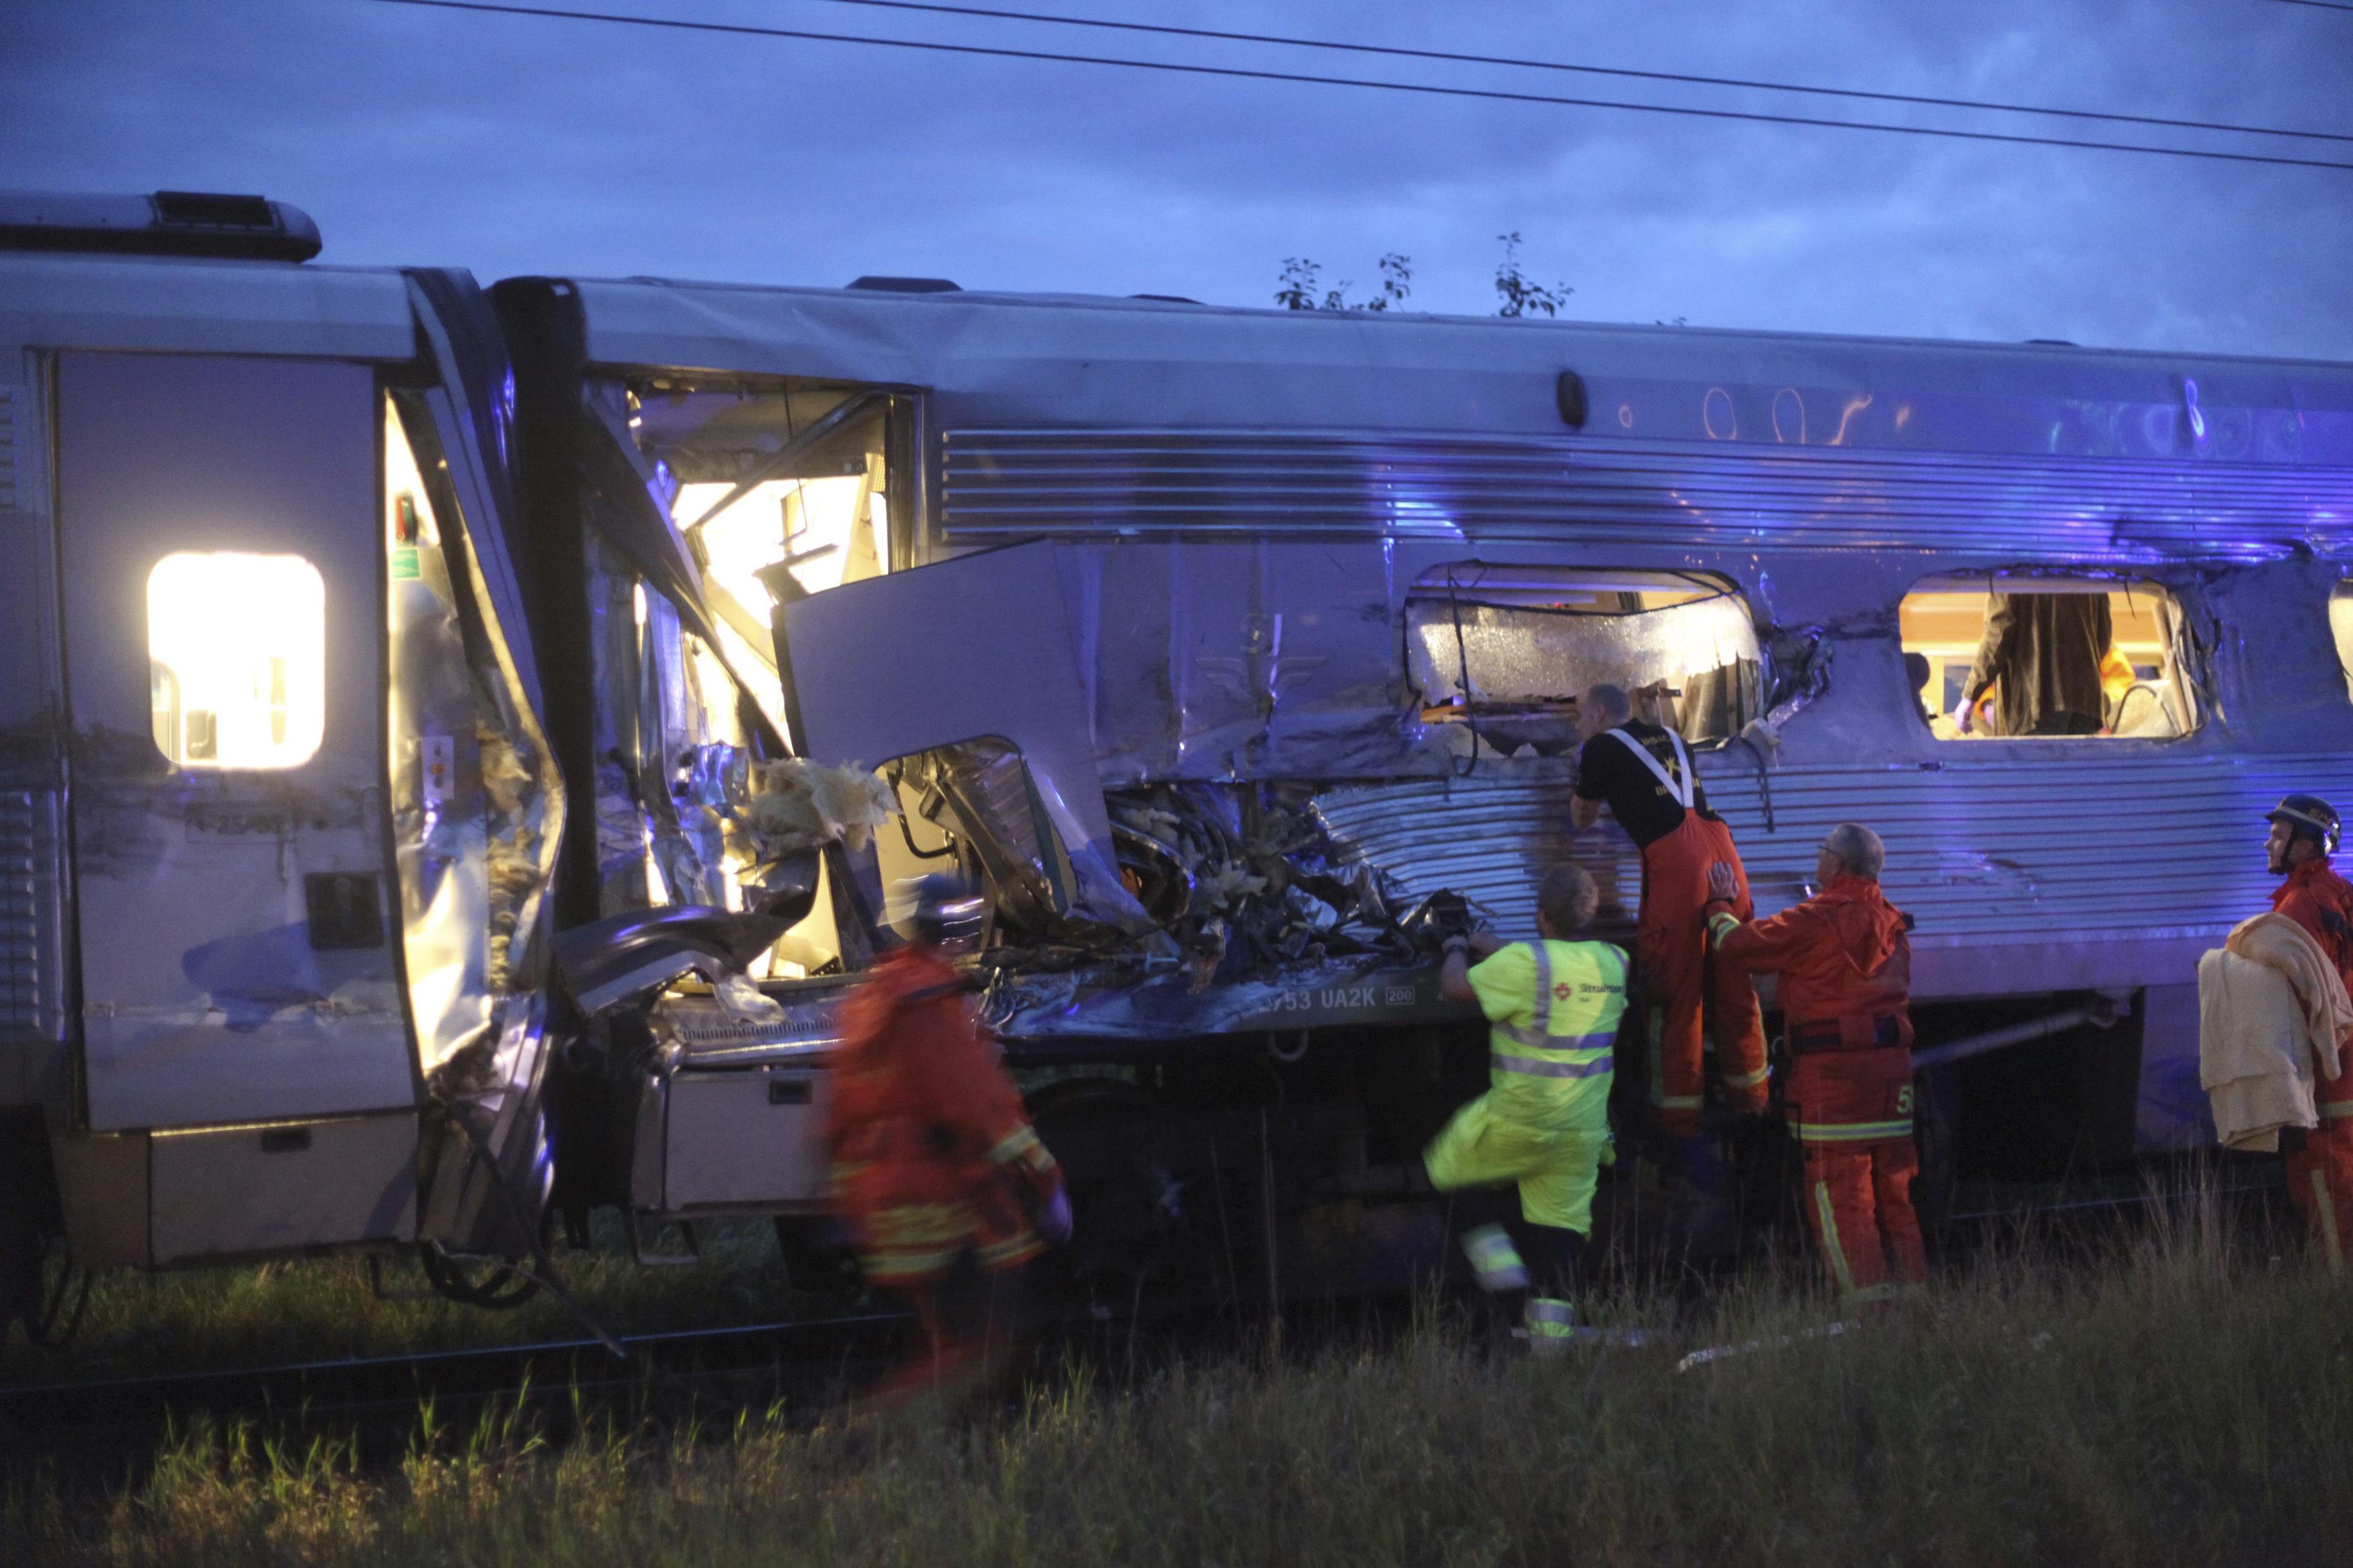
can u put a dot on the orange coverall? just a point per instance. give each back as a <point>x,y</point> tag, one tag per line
<point>1671,943</point>
<point>2320,1172</point>
<point>1846,977</point>
<point>932,1152</point>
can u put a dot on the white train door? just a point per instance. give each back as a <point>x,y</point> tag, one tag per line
<point>222,599</point>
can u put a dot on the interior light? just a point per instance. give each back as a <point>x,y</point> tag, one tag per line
<point>236,649</point>
<point>774,519</point>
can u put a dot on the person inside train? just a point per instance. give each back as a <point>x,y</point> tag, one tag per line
<point>1523,1156</point>
<point>1643,774</point>
<point>2040,660</point>
<point>939,1176</point>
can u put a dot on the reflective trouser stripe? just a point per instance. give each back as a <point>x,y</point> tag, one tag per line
<point>1550,1320</point>
<point>1746,1079</point>
<point>1850,1131</point>
<point>1535,1066</point>
<point>1830,1238</point>
<point>1494,1260</point>
<point>1657,1023</point>
<point>2323,1210</point>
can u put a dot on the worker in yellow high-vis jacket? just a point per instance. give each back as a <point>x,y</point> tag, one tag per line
<point>1524,1156</point>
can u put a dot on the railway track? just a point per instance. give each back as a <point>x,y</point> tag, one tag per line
<point>752,1363</point>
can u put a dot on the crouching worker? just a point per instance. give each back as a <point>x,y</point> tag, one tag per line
<point>1845,963</point>
<point>1523,1156</point>
<point>944,1187</point>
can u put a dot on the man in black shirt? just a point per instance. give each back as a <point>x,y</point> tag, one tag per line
<point>1643,774</point>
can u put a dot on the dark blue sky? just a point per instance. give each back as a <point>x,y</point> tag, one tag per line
<point>515,146</point>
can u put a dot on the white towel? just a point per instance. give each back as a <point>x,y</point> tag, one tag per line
<point>2254,1051</point>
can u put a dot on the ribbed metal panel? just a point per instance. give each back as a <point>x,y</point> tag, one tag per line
<point>23,849</point>
<point>1008,483</point>
<point>2139,848</point>
<point>8,464</point>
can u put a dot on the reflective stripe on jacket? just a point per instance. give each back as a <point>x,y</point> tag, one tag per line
<point>1552,1009</point>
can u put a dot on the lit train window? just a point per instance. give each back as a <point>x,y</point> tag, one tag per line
<point>2015,655</point>
<point>2340,623</point>
<point>237,659</point>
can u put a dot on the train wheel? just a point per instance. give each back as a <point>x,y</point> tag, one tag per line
<point>817,1263</point>
<point>1128,1207</point>
<point>21,1254</point>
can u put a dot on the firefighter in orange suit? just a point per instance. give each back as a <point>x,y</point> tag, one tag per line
<point>2319,1166</point>
<point>945,1188</point>
<point>1845,964</point>
<point>1643,774</point>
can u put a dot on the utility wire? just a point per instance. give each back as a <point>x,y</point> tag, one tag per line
<point>1427,89</point>
<point>2319,4</point>
<point>1402,53</point>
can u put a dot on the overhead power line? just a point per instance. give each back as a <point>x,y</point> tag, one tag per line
<point>1428,89</point>
<point>2320,5</point>
<point>1628,72</point>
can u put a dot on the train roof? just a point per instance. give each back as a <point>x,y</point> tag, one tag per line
<point>204,305</point>
<point>1031,359</point>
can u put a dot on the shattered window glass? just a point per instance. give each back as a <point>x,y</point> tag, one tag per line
<point>2017,655</point>
<point>1505,649</point>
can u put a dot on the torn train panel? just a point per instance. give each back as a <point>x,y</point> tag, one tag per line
<point>974,647</point>
<point>1486,837</point>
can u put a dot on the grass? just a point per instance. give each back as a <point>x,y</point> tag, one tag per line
<point>2181,1396</point>
<point>323,1309</point>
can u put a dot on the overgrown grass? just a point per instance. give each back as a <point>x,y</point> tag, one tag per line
<point>2181,1398</point>
<point>321,1308</point>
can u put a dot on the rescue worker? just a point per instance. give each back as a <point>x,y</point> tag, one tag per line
<point>1845,963</point>
<point>1524,1156</point>
<point>2320,1162</point>
<point>943,1184</point>
<point>1643,774</point>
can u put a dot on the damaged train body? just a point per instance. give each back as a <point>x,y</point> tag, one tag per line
<point>459,747</point>
<point>1228,647</point>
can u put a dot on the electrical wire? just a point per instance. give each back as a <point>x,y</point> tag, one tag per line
<point>1629,73</point>
<point>1429,89</point>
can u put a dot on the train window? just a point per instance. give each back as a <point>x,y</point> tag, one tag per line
<point>2014,654</point>
<point>237,659</point>
<point>2340,623</point>
<point>1507,648</point>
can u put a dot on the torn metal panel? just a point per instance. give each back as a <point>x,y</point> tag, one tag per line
<point>977,647</point>
<point>1032,1012</point>
<point>1490,838</point>
<point>1222,661</point>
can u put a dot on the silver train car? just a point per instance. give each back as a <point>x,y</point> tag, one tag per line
<point>546,692</point>
<point>1224,645</point>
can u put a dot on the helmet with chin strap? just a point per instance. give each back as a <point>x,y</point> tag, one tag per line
<point>2309,817</point>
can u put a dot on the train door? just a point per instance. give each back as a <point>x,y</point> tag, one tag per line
<point>225,675</point>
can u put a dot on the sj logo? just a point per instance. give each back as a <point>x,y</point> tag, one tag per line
<point>1562,991</point>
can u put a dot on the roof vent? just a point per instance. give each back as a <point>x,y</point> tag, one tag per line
<point>169,223</point>
<point>908,285</point>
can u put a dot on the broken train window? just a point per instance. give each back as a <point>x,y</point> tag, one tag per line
<point>1504,651</point>
<point>766,491</point>
<point>2029,653</point>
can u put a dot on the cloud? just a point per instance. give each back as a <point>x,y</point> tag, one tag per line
<point>517,145</point>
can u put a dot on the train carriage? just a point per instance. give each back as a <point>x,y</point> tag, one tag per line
<point>547,691</point>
